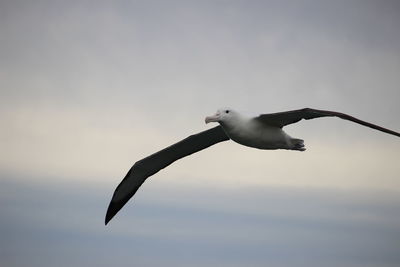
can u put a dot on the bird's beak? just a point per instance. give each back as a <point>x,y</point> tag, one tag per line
<point>214,118</point>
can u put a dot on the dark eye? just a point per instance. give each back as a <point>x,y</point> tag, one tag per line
<point>226,111</point>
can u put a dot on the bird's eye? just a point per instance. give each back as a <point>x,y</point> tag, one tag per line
<point>226,111</point>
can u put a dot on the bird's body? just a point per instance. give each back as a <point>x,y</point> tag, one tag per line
<point>253,133</point>
<point>262,132</point>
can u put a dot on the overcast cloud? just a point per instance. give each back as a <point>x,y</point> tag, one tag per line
<point>87,88</point>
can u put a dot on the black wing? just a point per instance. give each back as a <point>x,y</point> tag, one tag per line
<point>150,165</point>
<point>281,119</point>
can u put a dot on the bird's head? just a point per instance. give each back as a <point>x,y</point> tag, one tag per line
<point>222,115</point>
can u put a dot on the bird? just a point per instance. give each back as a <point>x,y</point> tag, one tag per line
<point>262,132</point>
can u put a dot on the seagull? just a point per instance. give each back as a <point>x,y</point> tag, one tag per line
<point>262,132</point>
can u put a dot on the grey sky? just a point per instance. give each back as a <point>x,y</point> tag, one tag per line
<point>87,88</point>
<point>279,227</point>
<point>153,52</point>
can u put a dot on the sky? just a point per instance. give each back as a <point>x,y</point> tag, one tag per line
<point>88,88</point>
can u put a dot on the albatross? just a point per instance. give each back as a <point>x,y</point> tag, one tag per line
<point>263,132</point>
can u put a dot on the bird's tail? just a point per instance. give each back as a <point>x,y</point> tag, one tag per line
<point>297,144</point>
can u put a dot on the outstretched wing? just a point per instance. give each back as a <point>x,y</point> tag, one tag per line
<point>150,165</point>
<point>281,119</point>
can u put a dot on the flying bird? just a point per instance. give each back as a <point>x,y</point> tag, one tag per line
<point>263,132</point>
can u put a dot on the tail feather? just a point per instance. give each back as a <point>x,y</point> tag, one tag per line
<point>298,144</point>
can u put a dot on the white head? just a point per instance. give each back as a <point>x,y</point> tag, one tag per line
<point>222,115</point>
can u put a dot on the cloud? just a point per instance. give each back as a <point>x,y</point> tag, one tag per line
<point>102,147</point>
<point>236,53</point>
<point>168,224</point>
<point>86,90</point>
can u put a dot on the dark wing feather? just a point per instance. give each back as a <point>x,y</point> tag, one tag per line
<point>281,119</point>
<point>150,165</point>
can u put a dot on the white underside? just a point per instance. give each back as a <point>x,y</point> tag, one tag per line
<point>252,133</point>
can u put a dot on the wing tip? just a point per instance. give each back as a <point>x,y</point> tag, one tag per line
<point>113,208</point>
<point>107,220</point>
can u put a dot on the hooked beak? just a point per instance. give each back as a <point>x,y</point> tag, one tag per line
<point>214,118</point>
